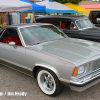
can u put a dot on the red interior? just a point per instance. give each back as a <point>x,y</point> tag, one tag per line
<point>12,39</point>
<point>63,25</point>
<point>93,18</point>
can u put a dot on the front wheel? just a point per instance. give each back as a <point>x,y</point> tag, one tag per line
<point>48,82</point>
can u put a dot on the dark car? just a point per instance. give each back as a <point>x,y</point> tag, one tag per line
<point>74,26</point>
<point>93,16</point>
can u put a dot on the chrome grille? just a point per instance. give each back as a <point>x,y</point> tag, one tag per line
<point>96,64</point>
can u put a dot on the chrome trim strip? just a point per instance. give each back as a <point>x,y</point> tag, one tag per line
<point>17,70</point>
<point>86,80</point>
<point>84,87</point>
<point>21,37</point>
<point>48,67</point>
<point>16,65</point>
<point>53,69</point>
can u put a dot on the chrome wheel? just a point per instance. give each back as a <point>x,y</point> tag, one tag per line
<point>46,82</point>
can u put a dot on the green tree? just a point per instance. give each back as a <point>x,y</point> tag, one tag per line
<point>65,1</point>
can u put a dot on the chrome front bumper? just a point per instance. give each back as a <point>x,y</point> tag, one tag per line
<point>85,82</point>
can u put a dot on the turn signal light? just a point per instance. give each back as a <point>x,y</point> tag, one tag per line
<point>75,71</point>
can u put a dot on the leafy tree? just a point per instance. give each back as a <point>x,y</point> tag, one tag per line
<point>65,1</point>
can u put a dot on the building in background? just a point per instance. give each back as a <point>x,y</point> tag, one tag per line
<point>90,5</point>
<point>87,2</point>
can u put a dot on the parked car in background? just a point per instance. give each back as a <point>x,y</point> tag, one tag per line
<point>94,16</point>
<point>43,51</point>
<point>73,26</point>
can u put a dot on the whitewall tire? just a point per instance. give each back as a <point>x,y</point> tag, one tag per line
<point>48,82</point>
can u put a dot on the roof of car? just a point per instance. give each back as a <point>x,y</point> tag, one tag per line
<point>26,25</point>
<point>75,17</point>
<point>95,11</point>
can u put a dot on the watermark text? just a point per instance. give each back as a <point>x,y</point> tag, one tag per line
<point>16,93</point>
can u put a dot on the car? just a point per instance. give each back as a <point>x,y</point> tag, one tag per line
<point>75,26</point>
<point>46,53</point>
<point>94,16</point>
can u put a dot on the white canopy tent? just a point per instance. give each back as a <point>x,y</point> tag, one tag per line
<point>55,7</point>
<point>14,5</point>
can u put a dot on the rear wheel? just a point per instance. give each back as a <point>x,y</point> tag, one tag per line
<point>48,82</point>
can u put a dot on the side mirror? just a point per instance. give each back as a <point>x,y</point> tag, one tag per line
<point>12,44</point>
<point>75,27</point>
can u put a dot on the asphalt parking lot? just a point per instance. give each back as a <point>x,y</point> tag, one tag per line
<point>18,86</point>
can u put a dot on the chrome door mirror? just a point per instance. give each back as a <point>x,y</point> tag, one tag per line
<point>12,44</point>
<point>75,27</point>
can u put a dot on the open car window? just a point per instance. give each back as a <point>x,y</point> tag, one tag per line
<point>68,25</point>
<point>10,35</point>
<point>39,34</point>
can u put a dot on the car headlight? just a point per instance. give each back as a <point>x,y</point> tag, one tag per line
<point>81,69</point>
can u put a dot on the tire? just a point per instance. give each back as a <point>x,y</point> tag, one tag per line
<point>48,82</point>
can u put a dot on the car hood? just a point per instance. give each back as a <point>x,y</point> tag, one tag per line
<point>73,50</point>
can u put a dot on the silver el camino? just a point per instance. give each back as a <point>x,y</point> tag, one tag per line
<point>43,51</point>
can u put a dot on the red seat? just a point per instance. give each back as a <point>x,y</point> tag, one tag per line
<point>14,39</point>
<point>63,25</point>
<point>93,18</point>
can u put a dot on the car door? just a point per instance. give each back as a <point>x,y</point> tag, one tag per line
<point>90,34</point>
<point>9,54</point>
<point>72,33</point>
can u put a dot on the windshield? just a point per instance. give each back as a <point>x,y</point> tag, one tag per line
<point>85,23</point>
<point>38,34</point>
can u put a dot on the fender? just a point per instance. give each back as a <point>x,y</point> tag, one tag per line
<point>48,67</point>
